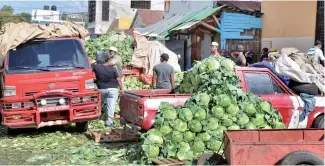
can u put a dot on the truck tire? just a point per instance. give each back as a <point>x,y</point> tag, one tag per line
<point>301,158</point>
<point>9,131</point>
<point>319,122</point>
<point>82,127</point>
<point>298,88</point>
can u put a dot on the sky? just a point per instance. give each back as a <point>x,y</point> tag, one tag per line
<point>70,6</point>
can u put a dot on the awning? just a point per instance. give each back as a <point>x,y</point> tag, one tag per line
<point>178,22</point>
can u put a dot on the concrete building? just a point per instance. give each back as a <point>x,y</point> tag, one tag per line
<point>173,7</point>
<point>102,13</point>
<point>46,15</point>
<point>289,24</point>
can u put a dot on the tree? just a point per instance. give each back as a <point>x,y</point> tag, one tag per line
<point>25,17</point>
<point>8,9</point>
<point>7,15</point>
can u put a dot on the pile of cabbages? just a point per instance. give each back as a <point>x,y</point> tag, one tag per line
<point>217,104</point>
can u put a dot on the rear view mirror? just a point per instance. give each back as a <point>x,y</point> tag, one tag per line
<point>1,61</point>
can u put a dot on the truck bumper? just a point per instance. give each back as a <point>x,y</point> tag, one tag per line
<point>37,117</point>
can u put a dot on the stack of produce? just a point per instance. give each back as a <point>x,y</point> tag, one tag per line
<point>133,83</point>
<point>105,41</point>
<point>178,78</point>
<point>218,104</point>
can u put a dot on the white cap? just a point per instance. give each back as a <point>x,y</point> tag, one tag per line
<point>214,44</point>
<point>113,49</point>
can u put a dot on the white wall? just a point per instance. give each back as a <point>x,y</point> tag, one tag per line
<point>185,6</point>
<point>158,5</point>
<point>301,43</point>
<point>45,15</point>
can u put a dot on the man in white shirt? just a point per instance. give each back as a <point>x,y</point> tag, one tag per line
<point>317,53</point>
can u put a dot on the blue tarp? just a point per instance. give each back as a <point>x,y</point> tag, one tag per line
<point>309,105</point>
<point>284,79</point>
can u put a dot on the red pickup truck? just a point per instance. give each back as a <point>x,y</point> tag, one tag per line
<point>139,107</point>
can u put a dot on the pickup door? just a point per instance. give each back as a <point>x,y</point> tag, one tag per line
<point>270,88</point>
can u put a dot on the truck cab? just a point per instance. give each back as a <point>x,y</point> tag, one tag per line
<point>47,82</point>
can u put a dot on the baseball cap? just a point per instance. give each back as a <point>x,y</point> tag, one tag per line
<point>113,49</point>
<point>215,44</point>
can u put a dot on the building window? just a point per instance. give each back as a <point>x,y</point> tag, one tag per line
<point>105,11</point>
<point>92,11</point>
<point>140,4</point>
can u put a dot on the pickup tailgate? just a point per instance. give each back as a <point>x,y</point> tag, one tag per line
<point>139,107</point>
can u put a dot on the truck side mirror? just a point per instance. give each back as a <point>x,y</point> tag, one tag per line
<point>1,62</point>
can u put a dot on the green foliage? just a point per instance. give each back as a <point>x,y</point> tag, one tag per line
<point>105,41</point>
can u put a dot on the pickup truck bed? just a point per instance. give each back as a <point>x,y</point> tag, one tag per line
<point>139,107</point>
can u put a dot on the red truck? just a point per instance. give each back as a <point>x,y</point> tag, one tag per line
<point>139,107</point>
<point>47,82</point>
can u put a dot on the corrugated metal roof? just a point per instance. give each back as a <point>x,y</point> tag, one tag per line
<point>250,6</point>
<point>184,21</point>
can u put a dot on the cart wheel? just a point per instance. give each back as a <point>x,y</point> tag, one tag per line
<point>301,158</point>
<point>81,127</point>
<point>319,122</point>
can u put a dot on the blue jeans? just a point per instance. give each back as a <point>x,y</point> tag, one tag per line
<point>109,95</point>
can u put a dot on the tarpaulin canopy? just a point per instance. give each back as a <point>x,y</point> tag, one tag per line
<point>12,35</point>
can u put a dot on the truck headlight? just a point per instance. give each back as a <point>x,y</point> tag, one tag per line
<point>9,91</point>
<point>16,105</point>
<point>89,84</point>
<point>86,99</point>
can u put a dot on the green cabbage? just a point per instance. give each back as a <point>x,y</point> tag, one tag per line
<point>214,145</point>
<point>224,100</point>
<point>228,64</point>
<point>250,109</point>
<point>232,109</point>
<point>188,136</point>
<point>186,114</point>
<point>195,126</point>
<point>177,136</point>
<point>155,137</point>
<point>243,120</point>
<point>165,130</point>
<point>204,136</point>
<point>180,125</point>
<point>201,114</point>
<point>217,111</point>
<point>198,147</point>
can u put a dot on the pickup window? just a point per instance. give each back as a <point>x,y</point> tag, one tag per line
<point>262,83</point>
<point>47,55</point>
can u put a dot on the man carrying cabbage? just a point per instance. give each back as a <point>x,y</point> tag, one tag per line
<point>238,56</point>
<point>163,74</point>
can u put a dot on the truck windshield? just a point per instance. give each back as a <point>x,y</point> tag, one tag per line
<point>47,55</point>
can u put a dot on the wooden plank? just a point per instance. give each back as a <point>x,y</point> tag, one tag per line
<point>176,161</point>
<point>216,20</point>
<point>208,26</point>
<point>158,162</point>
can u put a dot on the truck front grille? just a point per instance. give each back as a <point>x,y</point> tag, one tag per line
<point>75,90</point>
<point>51,101</point>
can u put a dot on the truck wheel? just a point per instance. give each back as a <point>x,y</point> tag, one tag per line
<point>301,158</point>
<point>81,127</point>
<point>9,131</point>
<point>319,122</point>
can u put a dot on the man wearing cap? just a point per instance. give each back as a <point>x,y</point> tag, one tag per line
<point>163,74</point>
<point>115,60</point>
<point>238,56</point>
<point>317,53</point>
<point>214,49</point>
